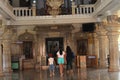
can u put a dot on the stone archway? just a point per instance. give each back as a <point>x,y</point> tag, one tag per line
<point>27,47</point>
<point>27,40</point>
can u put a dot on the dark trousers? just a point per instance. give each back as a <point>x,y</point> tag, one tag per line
<point>69,64</point>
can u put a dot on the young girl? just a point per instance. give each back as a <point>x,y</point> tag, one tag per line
<point>51,65</point>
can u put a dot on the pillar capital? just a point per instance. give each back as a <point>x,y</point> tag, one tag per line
<point>95,35</point>
<point>100,30</point>
<point>112,19</point>
<point>112,27</point>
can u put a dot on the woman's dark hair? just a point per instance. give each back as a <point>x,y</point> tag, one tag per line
<point>69,51</point>
<point>61,50</point>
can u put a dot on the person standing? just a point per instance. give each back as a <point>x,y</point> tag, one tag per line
<point>51,65</point>
<point>69,59</point>
<point>61,60</point>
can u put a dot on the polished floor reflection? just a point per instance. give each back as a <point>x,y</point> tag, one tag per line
<point>88,74</point>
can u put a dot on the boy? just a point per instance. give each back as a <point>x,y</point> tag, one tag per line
<point>51,65</point>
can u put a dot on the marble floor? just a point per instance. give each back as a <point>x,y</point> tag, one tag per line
<point>88,74</point>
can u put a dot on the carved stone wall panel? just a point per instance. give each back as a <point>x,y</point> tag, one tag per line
<point>26,36</point>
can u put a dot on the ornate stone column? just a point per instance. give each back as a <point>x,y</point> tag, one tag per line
<point>68,39</point>
<point>73,7</point>
<point>96,47</point>
<point>96,44</point>
<point>36,43</point>
<point>112,27</point>
<point>41,47</point>
<point>6,56</point>
<point>6,51</point>
<point>102,44</point>
<point>90,44</point>
<point>34,9</point>
<point>1,63</point>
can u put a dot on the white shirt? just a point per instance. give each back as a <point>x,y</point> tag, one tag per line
<point>51,60</point>
<point>60,56</point>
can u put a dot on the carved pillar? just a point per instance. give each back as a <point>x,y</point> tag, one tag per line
<point>73,44</point>
<point>6,51</point>
<point>73,7</point>
<point>113,34</point>
<point>96,45</point>
<point>68,38</point>
<point>6,56</point>
<point>90,44</point>
<point>42,49</point>
<point>34,9</point>
<point>1,63</point>
<point>102,45</point>
<point>36,49</point>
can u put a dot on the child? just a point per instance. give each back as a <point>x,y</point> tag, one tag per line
<point>51,65</point>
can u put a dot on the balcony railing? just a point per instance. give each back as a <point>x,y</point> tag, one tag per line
<point>76,9</point>
<point>22,11</point>
<point>84,9</point>
<point>81,9</point>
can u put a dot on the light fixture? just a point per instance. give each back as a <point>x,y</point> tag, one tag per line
<point>34,1</point>
<point>26,0</point>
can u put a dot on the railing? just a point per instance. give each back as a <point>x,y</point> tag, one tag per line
<point>22,11</point>
<point>76,9</point>
<point>81,9</point>
<point>84,9</point>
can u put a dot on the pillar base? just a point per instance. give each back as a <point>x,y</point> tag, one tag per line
<point>1,74</point>
<point>44,67</point>
<point>8,70</point>
<point>113,69</point>
<point>102,66</point>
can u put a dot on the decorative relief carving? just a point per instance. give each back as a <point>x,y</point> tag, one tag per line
<point>100,29</point>
<point>26,36</point>
<point>112,19</point>
<point>54,34</point>
<point>53,28</point>
<point>54,6</point>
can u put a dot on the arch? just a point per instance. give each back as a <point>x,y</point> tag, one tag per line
<point>26,36</point>
<point>27,39</point>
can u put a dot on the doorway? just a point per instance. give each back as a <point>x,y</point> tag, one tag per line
<point>82,45</point>
<point>27,49</point>
<point>52,46</point>
<point>1,54</point>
